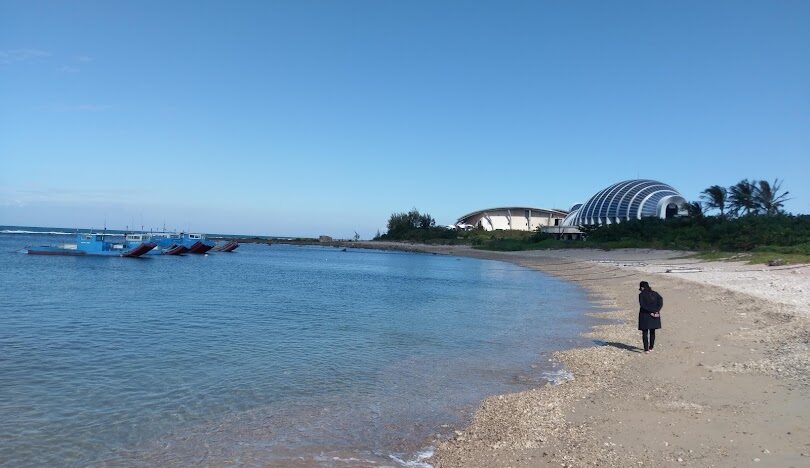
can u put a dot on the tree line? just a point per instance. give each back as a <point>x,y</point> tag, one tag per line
<point>750,215</point>
<point>746,197</point>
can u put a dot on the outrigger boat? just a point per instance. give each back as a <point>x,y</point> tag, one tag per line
<point>96,244</point>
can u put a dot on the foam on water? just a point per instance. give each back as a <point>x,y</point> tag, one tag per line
<point>558,376</point>
<point>53,233</point>
<point>418,461</point>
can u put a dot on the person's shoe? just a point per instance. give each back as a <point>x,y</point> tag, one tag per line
<point>646,351</point>
<point>651,349</point>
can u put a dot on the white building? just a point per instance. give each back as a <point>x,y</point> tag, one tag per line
<point>626,200</point>
<point>516,218</point>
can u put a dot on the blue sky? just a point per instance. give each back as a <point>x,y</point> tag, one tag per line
<point>323,117</point>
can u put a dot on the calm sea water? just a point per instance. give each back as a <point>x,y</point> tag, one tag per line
<point>269,355</point>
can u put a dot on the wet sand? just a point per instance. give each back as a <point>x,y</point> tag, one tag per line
<point>727,385</point>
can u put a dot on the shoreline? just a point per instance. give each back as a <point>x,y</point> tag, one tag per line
<point>728,383</point>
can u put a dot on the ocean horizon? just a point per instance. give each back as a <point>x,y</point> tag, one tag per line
<point>72,231</point>
<point>271,354</point>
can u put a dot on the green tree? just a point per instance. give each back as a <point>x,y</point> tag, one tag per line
<point>769,198</point>
<point>409,225</point>
<point>715,198</point>
<point>742,197</point>
<point>695,209</point>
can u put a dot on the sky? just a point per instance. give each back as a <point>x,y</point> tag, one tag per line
<point>301,118</point>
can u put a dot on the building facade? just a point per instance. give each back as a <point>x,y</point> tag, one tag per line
<point>626,200</point>
<point>512,218</point>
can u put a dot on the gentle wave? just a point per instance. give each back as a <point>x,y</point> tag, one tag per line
<point>418,461</point>
<point>558,376</point>
<point>56,233</point>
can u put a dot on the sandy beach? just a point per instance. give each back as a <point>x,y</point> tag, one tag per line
<point>727,385</point>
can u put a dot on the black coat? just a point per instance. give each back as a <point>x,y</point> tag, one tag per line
<point>650,302</point>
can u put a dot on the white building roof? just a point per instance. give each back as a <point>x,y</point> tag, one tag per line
<point>518,209</point>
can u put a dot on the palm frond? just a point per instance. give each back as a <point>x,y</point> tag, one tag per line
<point>767,197</point>
<point>715,198</point>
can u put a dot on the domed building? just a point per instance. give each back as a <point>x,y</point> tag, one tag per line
<point>626,200</point>
<point>517,218</point>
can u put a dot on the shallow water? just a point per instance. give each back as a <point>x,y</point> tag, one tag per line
<point>271,354</point>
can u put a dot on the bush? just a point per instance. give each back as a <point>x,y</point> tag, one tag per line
<point>415,226</point>
<point>706,233</point>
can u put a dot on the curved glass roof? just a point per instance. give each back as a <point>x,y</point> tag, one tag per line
<point>629,199</point>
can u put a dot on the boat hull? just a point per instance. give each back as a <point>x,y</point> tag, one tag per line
<point>200,247</point>
<point>47,250</point>
<point>229,246</point>
<point>136,251</point>
<point>139,250</point>
<point>176,250</point>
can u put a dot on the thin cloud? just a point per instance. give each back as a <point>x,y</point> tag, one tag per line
<point>10,56</point>
<point>11,203</point>
<point>75,107</point>
<point>62,196</point>
<point>75,63</point>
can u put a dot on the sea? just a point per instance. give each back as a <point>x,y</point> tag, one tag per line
<point>272,355</point>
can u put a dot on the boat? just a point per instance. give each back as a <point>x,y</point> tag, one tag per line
<point>229,246</point>
<point>174,243</point>
<point>169,243</point>
<point>96,244</point>
<point>196,243</point>
<point>161,246</point>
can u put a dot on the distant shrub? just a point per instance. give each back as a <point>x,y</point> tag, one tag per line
<point>417,227</point>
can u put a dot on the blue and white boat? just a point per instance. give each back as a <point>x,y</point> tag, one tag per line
<point>197,243</point>
<point>181,242</point>
<point>168,243</point>
<point>161,247</point>
<point>98,244</point>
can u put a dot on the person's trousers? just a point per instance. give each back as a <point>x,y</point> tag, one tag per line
<point>649,342</point>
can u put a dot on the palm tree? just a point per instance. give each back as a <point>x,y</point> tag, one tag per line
<point>742,197</point>
<point>694,209</point>
<point>715,198</point>
<point>768,199</point>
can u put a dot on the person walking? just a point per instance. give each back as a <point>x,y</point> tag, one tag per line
<point>649,314</point>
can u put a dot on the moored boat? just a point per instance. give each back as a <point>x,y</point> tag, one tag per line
<point>229,246</point>
<point>175,250</point>
<point>97,244</point>
<point>169,243</point>
<point>197,243</point>
<point>63,249</point>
